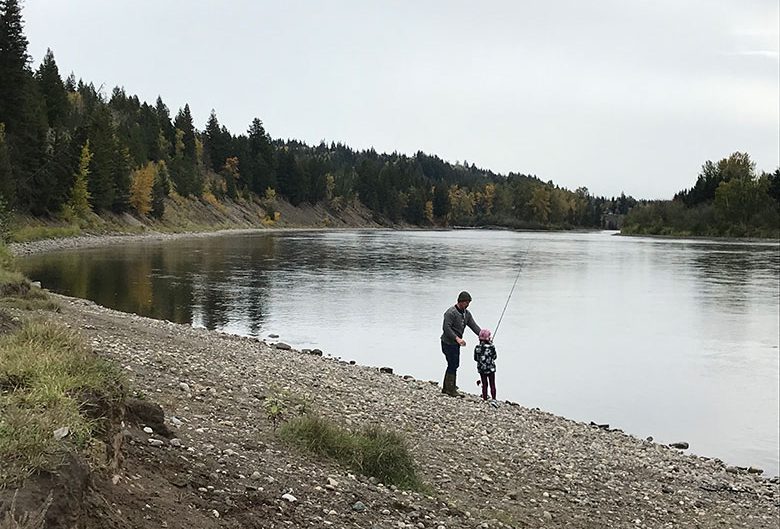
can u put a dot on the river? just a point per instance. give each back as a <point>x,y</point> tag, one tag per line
<point>671,338</point>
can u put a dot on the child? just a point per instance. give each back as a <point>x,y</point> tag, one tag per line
<point>485,356</point>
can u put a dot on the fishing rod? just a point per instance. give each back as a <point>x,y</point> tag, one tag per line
<point>519,271</point>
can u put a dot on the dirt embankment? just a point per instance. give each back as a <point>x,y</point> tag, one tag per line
<point>192,217</point>
<point>215,458</point>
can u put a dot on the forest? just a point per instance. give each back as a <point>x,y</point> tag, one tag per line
<point>729,199</point>
<point>69,151</point>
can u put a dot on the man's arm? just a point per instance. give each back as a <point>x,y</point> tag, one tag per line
<point>473,325</point>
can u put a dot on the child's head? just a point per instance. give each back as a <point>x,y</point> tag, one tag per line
<point>484,335</point>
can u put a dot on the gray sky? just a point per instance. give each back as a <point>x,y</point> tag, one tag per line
<point>614,95</point>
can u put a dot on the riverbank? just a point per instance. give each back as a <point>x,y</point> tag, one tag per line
<point>484,467</point>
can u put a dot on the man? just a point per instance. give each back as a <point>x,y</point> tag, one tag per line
<point>456,319</point>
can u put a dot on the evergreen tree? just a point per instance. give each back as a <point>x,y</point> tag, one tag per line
<point>14,62</point>
<point>167,141</point>
<point>7,187</point>
<point>53,90</point>
<point>216,143</point>
<point>160,190</point>
<point>103,146</point>
<point>258,162</point>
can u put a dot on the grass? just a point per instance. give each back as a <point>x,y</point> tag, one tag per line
<point>48,379</point>
<point>17,291</point>
<point>35,233</point>
<point>373,451</point>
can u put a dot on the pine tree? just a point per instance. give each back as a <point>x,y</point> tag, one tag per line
<point>103,146</point>
<point>259,162</point>
<point>7,187</point>
<point>52,89</point>
<point>160,190</point>
<point>14,70</point>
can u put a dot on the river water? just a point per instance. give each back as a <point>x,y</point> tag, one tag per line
<point>671,338</point>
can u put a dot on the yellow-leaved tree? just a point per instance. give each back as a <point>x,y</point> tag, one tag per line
<point>141,188</point>
<point>78,205</point>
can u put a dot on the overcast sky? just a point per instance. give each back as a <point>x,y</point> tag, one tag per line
<point>613,95</point>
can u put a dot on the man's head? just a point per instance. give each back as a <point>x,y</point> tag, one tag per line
<point>464,298</point>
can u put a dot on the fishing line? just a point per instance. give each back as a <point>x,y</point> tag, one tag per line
<point>525,254</point>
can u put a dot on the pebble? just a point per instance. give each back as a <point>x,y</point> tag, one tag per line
<point>289,497</point>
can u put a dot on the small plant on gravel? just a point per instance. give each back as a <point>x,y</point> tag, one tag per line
<point>373,451</point>
<point>274,410</point>
<point>282,405</point>
<point>49,379</point>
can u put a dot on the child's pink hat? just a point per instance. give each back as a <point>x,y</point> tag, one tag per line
<point>484,335</point>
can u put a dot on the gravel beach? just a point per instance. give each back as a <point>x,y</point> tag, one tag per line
<point>222,463</point>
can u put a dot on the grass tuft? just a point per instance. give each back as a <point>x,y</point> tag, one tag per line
<point>374,451</point>
<point>48,379</point>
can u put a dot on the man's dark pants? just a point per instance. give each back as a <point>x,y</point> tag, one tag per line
<point>452,353</point>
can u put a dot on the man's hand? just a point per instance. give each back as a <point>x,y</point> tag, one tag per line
<point>461,341</point>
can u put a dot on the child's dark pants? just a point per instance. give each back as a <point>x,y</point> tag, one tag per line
<point>491,379</point>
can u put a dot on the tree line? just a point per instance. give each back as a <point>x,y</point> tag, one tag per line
<point>728,199</point>
<point>68,151</point>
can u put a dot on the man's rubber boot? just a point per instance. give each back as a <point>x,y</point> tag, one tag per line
<point>448,388</point>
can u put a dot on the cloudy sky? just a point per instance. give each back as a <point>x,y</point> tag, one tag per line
<point>613,95</point>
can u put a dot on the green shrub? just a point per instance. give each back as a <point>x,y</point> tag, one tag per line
<point>373,451</point>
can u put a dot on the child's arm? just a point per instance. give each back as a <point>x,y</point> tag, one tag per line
<point>495,354</point>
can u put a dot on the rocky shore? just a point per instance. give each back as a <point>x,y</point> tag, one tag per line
<point>95,241</point>
<point>217,461</point>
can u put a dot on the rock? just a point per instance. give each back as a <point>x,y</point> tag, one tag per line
<point>61,433</point>
<point>156,442</point>
<point>388,370</point>
<point>682,445</point>
<point>358,506</point>
<point>283,346</point>
<point>184,387</point>
<point>547,516</point>
<point>316,352</point>
<point>600,426</point>
<point>274,336</point>
<point>754,470</point>
<point>256,475</point>
<point>148,430</point>
<point>175,421</point>
<point>289,497</point>
<point>147,413</point>
<point>175,442</point>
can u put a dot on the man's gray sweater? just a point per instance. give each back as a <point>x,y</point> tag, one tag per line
<point>455,323</point>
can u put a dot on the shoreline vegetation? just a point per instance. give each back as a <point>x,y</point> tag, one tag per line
<point>308,449</point>
<point>74,158</point>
